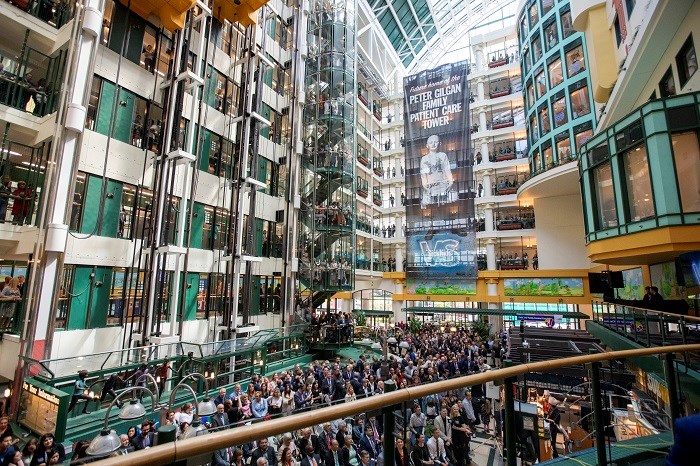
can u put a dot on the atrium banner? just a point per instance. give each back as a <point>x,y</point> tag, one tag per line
<point>440,238</point>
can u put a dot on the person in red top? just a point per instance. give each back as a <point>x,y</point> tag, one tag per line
<point>22,200</point>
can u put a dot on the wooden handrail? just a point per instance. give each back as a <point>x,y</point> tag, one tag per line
<point>182,449</point>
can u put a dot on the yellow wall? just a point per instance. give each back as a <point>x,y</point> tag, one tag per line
<point>600,44</point>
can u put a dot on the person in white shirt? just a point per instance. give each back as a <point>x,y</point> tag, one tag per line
<point>469,409</point>
<point>436,448</point>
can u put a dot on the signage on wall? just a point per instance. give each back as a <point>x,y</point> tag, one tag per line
<point>440,238</point>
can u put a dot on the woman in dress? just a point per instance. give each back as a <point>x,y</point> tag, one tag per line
<point>350,456</point>
<point>274,403</point>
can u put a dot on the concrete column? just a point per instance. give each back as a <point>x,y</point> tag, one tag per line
<point>481,95</point>
<point>488,217</point>
<point>482,120</point>
<point>485,150</point>
<point>399,255</point>
<point>479,57</point>
<point>491,263</point>
<point>488,190</point>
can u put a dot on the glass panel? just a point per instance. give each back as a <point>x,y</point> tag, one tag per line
<point>574,61</point>
<point>534,17</point>
<point>548,158</point>
<point>536,48</point>
<point>605,196</point>
<point>580,105</point>
<point>530,95</point>
<point>534,133</point>
<point>541,85</point>
<point>564,149</point>
<point>582,138</point>
<point>559,109</point>
<point>556,75</point>
<point>686,154</point>
<point>639,194</point>
<point>686,61</point>
<point>544,120</point>
<point>567,26</point>
<point>547,5</point>
<point>551,38</point>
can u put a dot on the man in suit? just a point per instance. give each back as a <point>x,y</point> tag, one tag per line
<point>328,381</point>
<point>307,438</point>
<point>223,457</point>
<point>368,443</point>
<point>325,441</point>
<point>146,439</point>
<point>264,450</point>
<point>436,448</point>
<point>334,457</point>
<point>125,447</point>
<point>366,460</point>
<point>221,399</point>
<point>310,458</point>
<point>219,420</point>
<point>444,427</point>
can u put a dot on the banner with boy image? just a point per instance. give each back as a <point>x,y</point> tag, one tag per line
<point>440,238</point>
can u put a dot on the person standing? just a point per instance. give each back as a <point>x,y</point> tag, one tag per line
<point>79,388</point>
<point>461,435</point>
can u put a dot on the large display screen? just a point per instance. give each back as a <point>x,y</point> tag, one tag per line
<point>440,243</point>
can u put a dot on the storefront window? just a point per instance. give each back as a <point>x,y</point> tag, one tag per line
<point>559,109</point>
<point>606,212</point>
<point>580,104</point>
<point>686,155</point>
<point>541,85</point>
<point>574,61</point>
<point>640,199</point>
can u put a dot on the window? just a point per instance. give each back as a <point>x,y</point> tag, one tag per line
<point>148,52</point>
<point>559,110</point>
<point>116,297</point>
<point>541,85</point>
<point>640,200</point>
<point>686,154</point>
<point>526,61</point>
<point>534,133</point>
<point>618,31</point>
<point>544,119</point>
<point>536,48</point>
<point>534,17</point>
<point>126,211</point>
<point>580,105</point>
<point>563,147</point>
<point>574,61</point>
<point>547,6</point>
<point>144,207</point>
<point>64,298</point>
<point>551,37</point>
<point>556,76</point>
<point>530,94</point>
<point>567,25</point>
<point>667,86</point>
<point>523,28</point>
<point>536,167</point>
<point>582,138</point>
<point>547,154</point>
<point>686,61</point>
<point>93,103</point>
<point>221,229</point>
<point>630,6</point>
<point>107,20</point>
<point>78,200</point>
<point>606,212</point>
